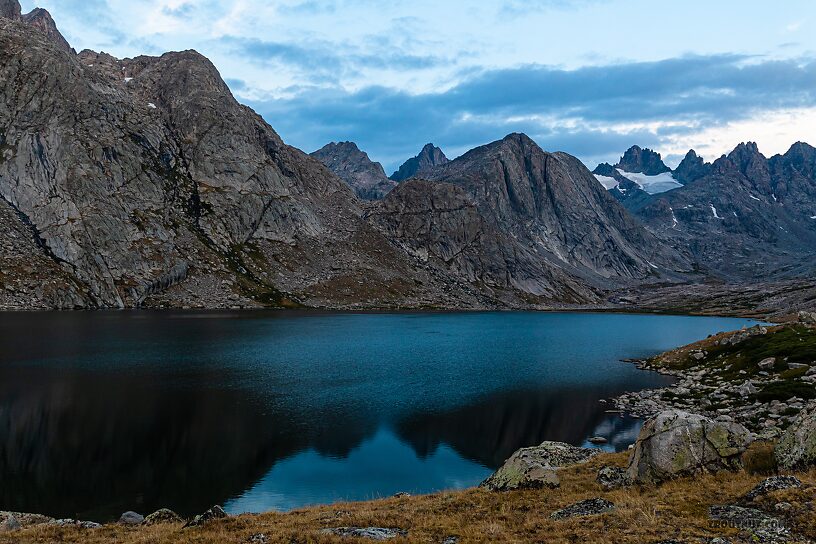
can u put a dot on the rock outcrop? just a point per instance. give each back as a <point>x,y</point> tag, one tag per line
<point>37,18</point>
<point>797,447</point>
<point>536,467</point>
<point>676,443</point>
<point>588,507</point>
<point>428,158</point>
<point>692,167</point>
<point>353,166</point>
<point>644,161</point>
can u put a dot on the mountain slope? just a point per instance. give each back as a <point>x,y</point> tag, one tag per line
<point>148,184</point>
<point>525,225</point>
<point>353,166</point>
<point>748,218</point>
<point>429,157</point>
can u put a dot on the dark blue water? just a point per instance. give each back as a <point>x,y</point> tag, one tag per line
<point>106,412</point>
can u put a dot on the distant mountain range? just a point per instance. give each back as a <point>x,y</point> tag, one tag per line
<point>143,183</point>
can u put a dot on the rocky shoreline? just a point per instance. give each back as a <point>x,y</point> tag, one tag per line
<point>726,378</point>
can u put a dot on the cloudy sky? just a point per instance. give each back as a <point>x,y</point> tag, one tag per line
<point>590,77</point>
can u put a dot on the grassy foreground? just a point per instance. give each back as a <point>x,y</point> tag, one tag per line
<point>675,510</point>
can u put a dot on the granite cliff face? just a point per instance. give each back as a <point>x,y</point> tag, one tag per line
<point>143,182</point>
<point>748,218</point>
<point>429,157</point>
<point>353,166</point>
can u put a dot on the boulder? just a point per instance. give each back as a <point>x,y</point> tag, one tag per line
<point>676,443</point>
<point>807,317</point>
<point>11,524</point>
<point>131,518</point>
<point>774,483</point>
<point>537,466</point>
<point>612,478</point>
<point>588,507</point>
<point>162,515</point>
<point>373,533</point>
<point>797,447</point>
<point>216,512</point>
<point>767,364</point>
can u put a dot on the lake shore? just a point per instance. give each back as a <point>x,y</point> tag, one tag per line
<point>677,511</point>
<point>762,377</point>
<point>713,378</point>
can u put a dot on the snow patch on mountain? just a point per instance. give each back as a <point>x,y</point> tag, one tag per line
<point>607,181</point>
<point>653,184</point>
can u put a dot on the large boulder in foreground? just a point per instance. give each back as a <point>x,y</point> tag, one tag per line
<point>797,447</point>
<point>676,443</point>
<point>537,467</point>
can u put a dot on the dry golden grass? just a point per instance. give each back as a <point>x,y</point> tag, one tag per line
<point>676,509</point>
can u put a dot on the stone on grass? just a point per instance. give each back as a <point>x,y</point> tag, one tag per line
<point>797,447</point>
<point>537,467</point>
<point>676,443</point>
<point>767,364</point>
<point>11,524</point>
<point>612,478</point>
<point>760,526</point>
<point>68,522</point>
<point>373,533</point>
<point>588,507</point>
<point>774,483</point>
<point>163,515</point>
<point>131,518</point>
<point>807,317</point>
<point>216,512</point>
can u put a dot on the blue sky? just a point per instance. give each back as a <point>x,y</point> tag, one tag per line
<point>590,77</point>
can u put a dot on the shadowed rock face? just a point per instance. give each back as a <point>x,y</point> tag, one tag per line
<point>691,167</point>
<point>550,204</point>
<point>643,161</point>
<point>429,157</point>
<point>440,223</point>
<point>353,166</point>
<point>750,217</point>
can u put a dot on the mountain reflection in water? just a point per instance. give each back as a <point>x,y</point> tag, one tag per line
<point>107,412</point>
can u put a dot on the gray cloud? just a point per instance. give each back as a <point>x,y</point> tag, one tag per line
<point>695,91</point>
<point>324,61</point>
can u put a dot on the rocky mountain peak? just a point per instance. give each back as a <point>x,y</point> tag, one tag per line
<point>38,18</point>
<point>10,9</point>
<point>429,157</point>
<point>691,167</point>
<point>752,164</point>
<point>642,161</point>
<point>802,151</point>
<point>354,166</point>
